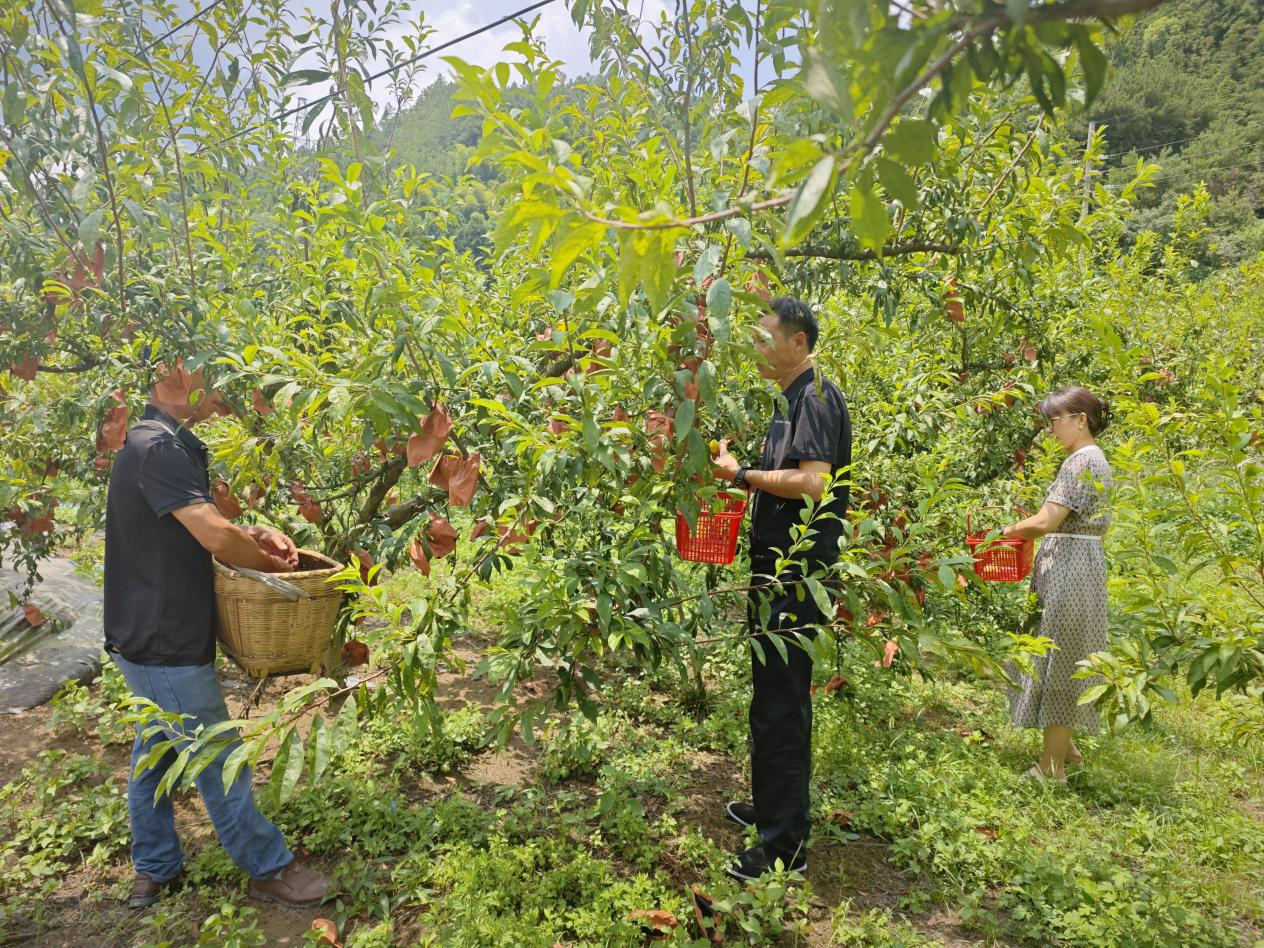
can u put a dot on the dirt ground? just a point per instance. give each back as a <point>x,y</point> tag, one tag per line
<point>90,905</point>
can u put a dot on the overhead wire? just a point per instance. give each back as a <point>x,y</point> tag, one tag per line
<point>377,75</point>
<point>1177,141</point>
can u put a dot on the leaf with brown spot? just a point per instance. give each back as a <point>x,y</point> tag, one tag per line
<point>442,536</point>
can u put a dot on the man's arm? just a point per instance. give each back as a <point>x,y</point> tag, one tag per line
<point>226,541</point>
<point>809,478</point>
<point>792,484</point>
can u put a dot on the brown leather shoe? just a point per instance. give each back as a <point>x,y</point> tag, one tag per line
<point>145,891</point>
<point>295,887</point>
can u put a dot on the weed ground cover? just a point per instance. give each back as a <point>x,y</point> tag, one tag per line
<point>924,831</point>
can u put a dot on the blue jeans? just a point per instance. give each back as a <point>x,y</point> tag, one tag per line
<point>252,842</point>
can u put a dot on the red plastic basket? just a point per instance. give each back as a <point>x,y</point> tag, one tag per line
<point>714,538</point>
<point>1002,560</point>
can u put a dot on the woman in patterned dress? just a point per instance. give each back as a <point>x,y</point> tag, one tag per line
<point>1069,580</point>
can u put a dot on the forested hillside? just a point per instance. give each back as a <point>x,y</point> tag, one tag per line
<point>1188,94</point>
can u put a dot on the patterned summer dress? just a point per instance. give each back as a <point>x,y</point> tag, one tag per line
<point>1069,579</point>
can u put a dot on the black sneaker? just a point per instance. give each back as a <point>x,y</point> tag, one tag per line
<point>755,862</point>
<point>743,814</point>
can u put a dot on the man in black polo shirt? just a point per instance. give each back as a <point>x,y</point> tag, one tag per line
<point>161,530</point>
<point>807,444</point>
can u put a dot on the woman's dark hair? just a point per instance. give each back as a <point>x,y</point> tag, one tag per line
<point>796,316</point>
<point>1077,400</point>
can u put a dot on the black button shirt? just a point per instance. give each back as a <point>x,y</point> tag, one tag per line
<point>159,591</point>
<point>816,427</point>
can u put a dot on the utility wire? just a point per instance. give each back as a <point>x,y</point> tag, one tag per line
<point>179,26</point>
<point>1178,141</point>
<point>377,75</point>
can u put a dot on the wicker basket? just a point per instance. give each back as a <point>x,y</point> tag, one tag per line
<point>264,632</point>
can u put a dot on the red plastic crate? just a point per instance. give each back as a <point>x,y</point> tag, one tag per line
<point>714,538</point>
<point>1004,559</point>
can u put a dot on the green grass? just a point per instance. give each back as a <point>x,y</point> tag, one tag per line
<point>1158,841</point>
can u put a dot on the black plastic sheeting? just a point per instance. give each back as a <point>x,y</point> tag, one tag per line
<point>73,604</point>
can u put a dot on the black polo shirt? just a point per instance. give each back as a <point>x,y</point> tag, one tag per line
<point>159,592</point>
<point>816,427</point>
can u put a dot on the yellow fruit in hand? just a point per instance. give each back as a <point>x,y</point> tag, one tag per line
<point>714,446</point>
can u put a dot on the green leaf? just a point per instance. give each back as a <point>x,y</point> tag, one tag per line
<point>898,182</point>
<point>719,306</point>
<point>947,577</point>
<point>823,82</point>
<point>809,201</point>
<point>124,81</point>
<point>658,267</point>
<point>912,142</point>
<point>684,419</point>
<point>708,260</point>
<point>1017,10</point>
<point>740,228</point>
<point>1093,62</point>
<point>315,110</point>
<point>570,242</point>
<point>306,76</point>
<point>319,740</point>
<point>869,217</point>
<point>90,226</point>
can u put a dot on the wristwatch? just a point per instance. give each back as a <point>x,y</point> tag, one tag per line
<point>739,479</point>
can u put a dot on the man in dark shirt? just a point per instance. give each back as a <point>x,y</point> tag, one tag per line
<point>161,530</point>
<point>807,444</point>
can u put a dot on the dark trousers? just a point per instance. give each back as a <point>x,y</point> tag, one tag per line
<point>781,718</point>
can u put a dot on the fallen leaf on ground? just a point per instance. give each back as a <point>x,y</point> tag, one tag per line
<point>328,932</point>
<point>840,817</point>
<point>33,615</point>
<point>654,919</point>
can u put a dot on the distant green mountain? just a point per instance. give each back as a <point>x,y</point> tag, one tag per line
<point>1188,93</point>
<point>427,136</point>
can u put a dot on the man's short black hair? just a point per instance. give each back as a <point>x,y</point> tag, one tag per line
<point>795,315</point>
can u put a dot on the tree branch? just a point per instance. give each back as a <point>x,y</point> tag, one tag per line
<point>891,250</point>
<point>1099,9</point>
